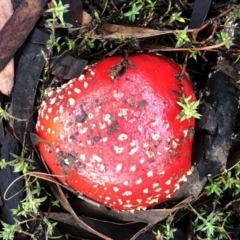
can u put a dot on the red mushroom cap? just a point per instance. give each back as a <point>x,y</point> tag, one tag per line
<point>112,133</point>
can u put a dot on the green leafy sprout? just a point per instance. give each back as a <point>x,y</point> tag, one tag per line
<point>189,109</point>
<point>223,37</point>
<point>58,12</point>
<point>176,17</point>
<point>166,230</point>
<point>182,37</point>
<point>135,10</point>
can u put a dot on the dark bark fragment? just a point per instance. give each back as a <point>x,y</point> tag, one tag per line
<point>214,129</point>
<point>67,67</point>
<point>18,27</point>
<point>8,176</point>
<point>27,76</point>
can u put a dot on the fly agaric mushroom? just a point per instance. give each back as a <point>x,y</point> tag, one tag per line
<point>113,135</point>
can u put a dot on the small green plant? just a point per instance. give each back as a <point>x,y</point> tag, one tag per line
<point>189,109</point>
<point>166,231</point>
<point>7,116</point>
<point>194,54</point>
<point>210,225</point>
<point>56,21</point>
<point>29,207</point>
<point>57,14</point>
<point>135,10</point>
<point>176,17</point>
<point>223,37</point>
<point>182,37</point>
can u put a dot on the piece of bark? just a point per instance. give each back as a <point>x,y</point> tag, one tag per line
<point>7,73</point>
<point>7,176</point>
<point>214,129</point>
<point>213,134</point>
<point>27,77</point>
<point>115,231</point>
<point>67,67</point>
<point>18,27</point>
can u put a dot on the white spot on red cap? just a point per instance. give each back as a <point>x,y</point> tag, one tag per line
<point>155,122</point>
<point>133,168</point>
<point>118,95</point>
<point>81,77</point>
<point>107,198</point>
<point>49,110</point>
<point>119,167</point>
<point>92,73</point>
<point>150,154</point>
<point>127,193</point>
<point>150,173</point>
<point>71,101</point>
<point>183,179</point>
<point>154,200</point>
<point>123,112</point>
<point>139,200</point>
<point>105,139</point>
<point>52,101</point>
<point>185,133</point>
<point>90,116</point>
<point>118,150</point>
<point>49,130</point>
<point>177,186</point>
<point>96,158</point>
<point>120,201</point>
<point>155,136</point>
<point>128,205</point>
<point>158,189</point>
<point>140,128</point>
<point>155,185</point>
<point>168,182</point>
<point>133,143</point>
<point>141,161</point>
<point>77,90</point>
<point>42,127</point>
<point>85,84</point>
<point>107,118</point>
<point>102,125</point>
<point>46,117</point>
<point>133,151</point>
<point>122,137</point>
<point>50,94</point>
<point>83,130</point>
<point>145,191</point>
<point>61,109</point>
<point>82,157</point>
<point>139,181</point>
<point>55,119</point>
<point>69,92</point>
<point>126,183</point>
<point>115,189</point>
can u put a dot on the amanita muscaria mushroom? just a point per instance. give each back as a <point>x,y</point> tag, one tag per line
<point>113,135</point>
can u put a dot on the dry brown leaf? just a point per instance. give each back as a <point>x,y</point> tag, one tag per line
<point>7,74</point>
<point>116,31</point>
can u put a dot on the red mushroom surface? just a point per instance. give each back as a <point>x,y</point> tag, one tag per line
<point>112,133</point>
